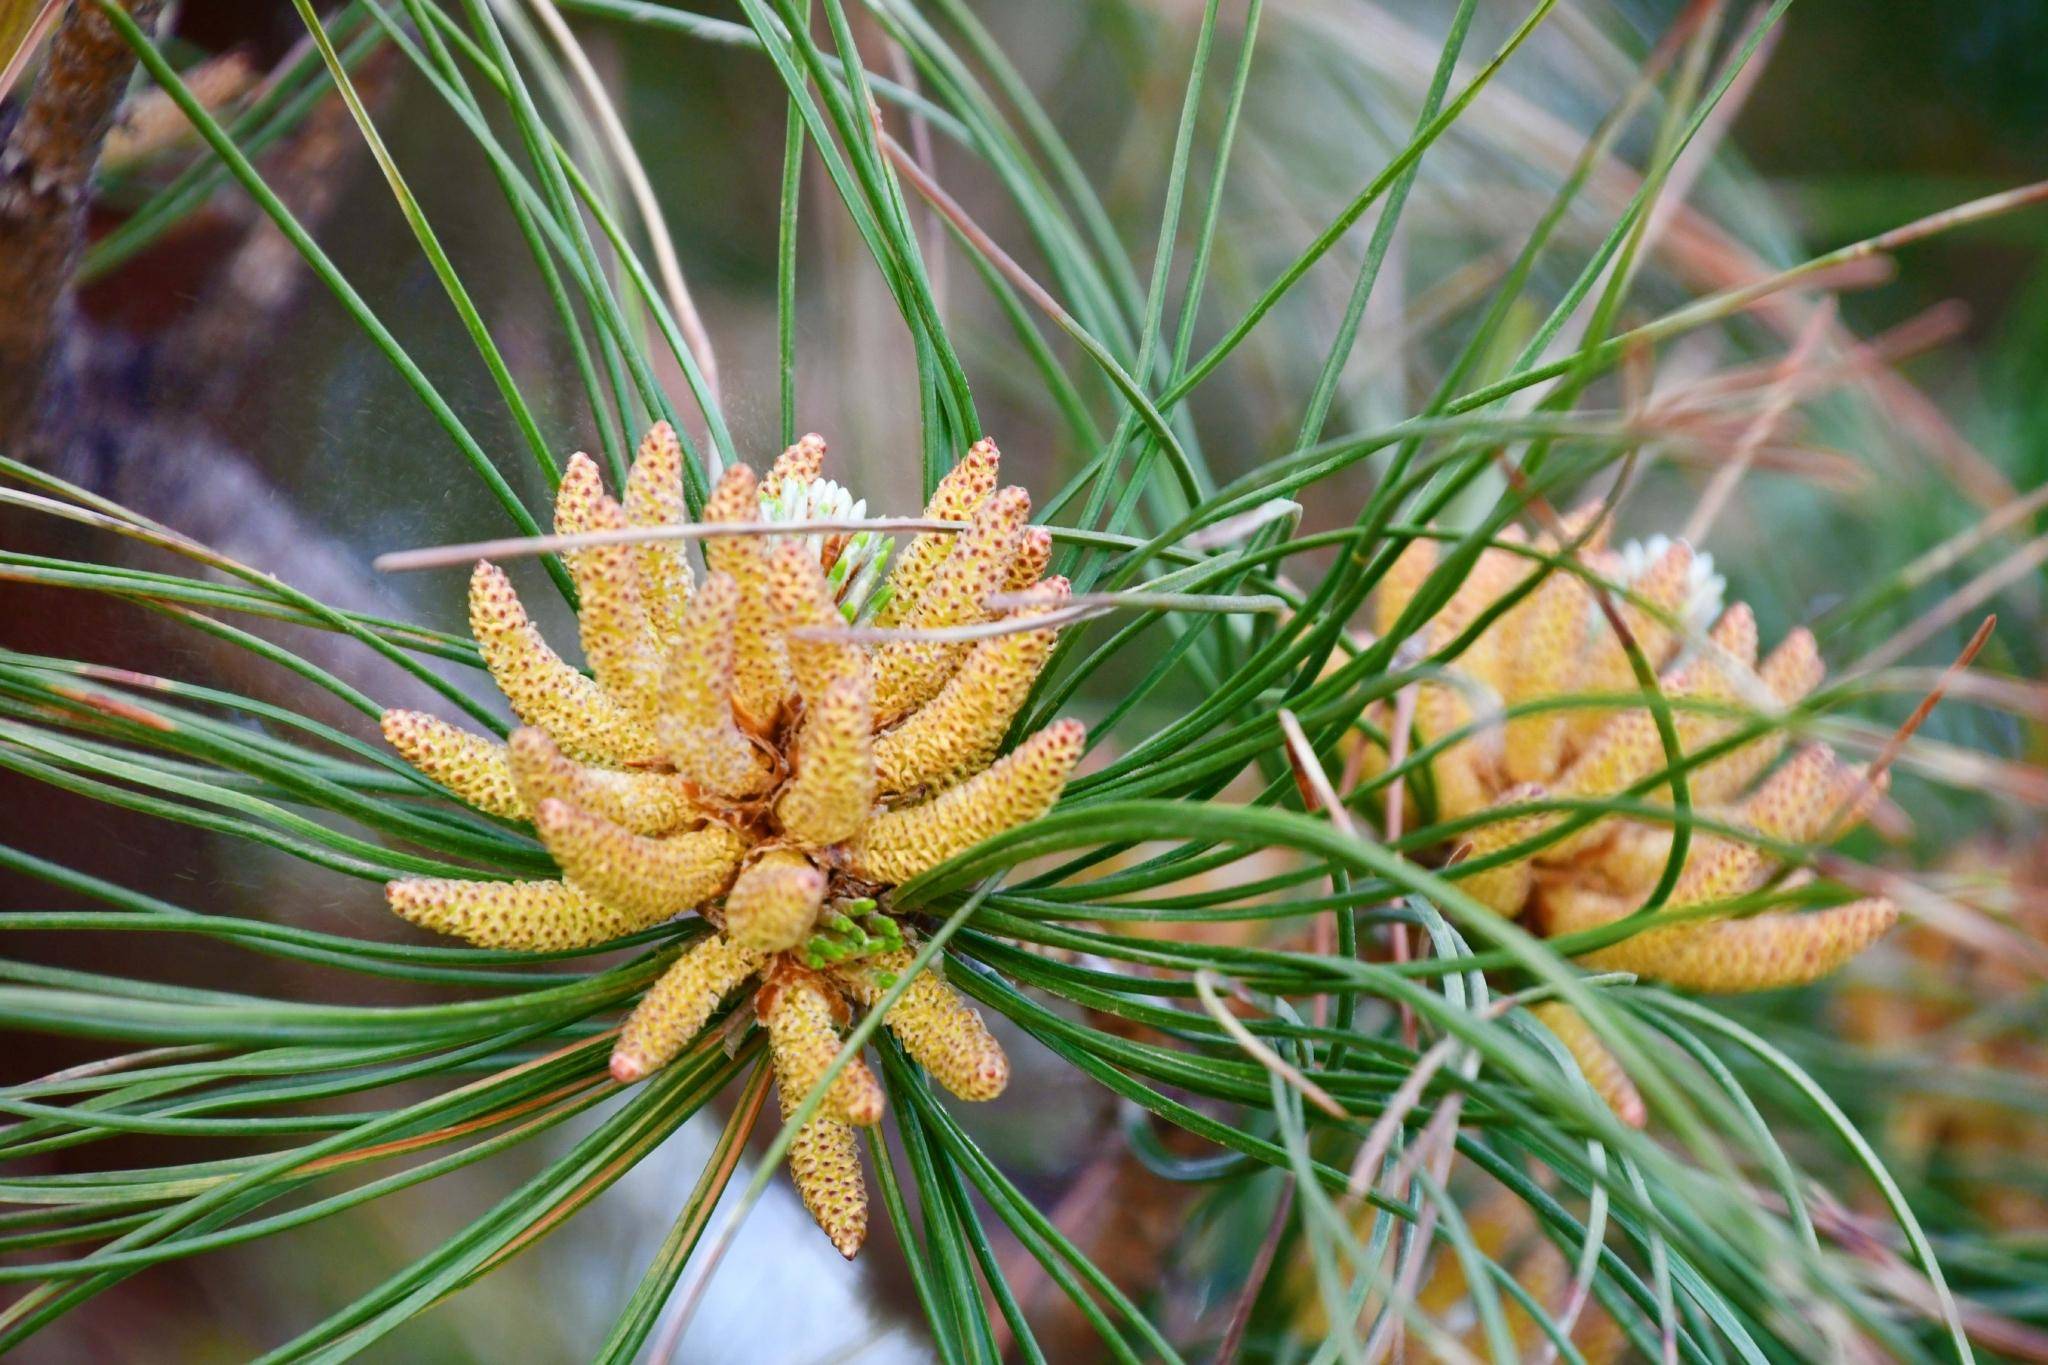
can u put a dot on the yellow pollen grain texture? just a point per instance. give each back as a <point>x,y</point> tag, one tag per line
<point>834,787</point>
<point>958,731</point>
<point>935,1024</point>
<point>1545,635</point>
<point>1656,596</point>
<point>801,600</point>
<point>899,844</point>
<point>471,766</point>
<point>1029,563</point>
<point>909,673</point>
<point>1441,710</point>
<point>760,670</point>
<point>774,901</point>
<point>654,497</point>
<point>960,493</point>
<point>1505,888</point>
<point>1403,578</point>
<point>1633,858</point>
<point>643,802</point>
<point>1600,1066</point>
<point>802,463</point>
<point>618,643</point>
<point>674,1011</point>
<point>578,714</point>
<point>824,1165</point>
<point>1766,952</point>
<point>525,917</point>
<point>1788,673</point>
<point>1492,575</point>
<point>1718,869</point>
<point>1627,749</point>
<point>576,500</point>
<point>803,1039</point>
<point>696,725</point>
<point>649,879</point>
<point>1796,802</point>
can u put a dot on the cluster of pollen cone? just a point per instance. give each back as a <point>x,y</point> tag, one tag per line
<point>1518,726</point>
<point>733,752</point>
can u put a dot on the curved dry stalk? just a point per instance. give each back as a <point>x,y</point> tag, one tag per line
<point>1777,402</point>
<point>526,547</point>
<point>1205,987</point>
<point>644,202</point>
<point>1873,772</point>
<point>1434,1142</point>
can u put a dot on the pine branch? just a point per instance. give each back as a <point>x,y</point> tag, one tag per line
<point>46,168</point>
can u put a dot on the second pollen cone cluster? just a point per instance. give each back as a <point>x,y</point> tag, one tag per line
<point>1541,712</point>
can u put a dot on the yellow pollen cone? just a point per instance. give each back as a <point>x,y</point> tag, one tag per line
<point>774,901</point>
<point>1570,907</point>
<point>1028,565</point>
<point>1545,634</point>
<point>649,879</point>
<point>654,497</point>
<point>576,500</point>
<point>1491,577</point>
<point>978,565</point>
<point>1789,673</point>
<point>824,1165</point>
<point>958,731</point>
<point>1440,710</point>
<point>1718,869</point>
<point>1600,1066</point>
<point>934,1023</point>
<point>1403,578</point>
<point>1634,856</point>
<point>1653,601</point>
<point>1588,525</point>
<point>1795,802</point>
<point>525,917</point>
<point>578,714</point>
<point>834,787</point>
<point>1625,751</point>
<point>760,671</point>
<point>899,844</point>
<point>1794,668</point>
<point>800,463</point>
<point>803,1038</point>
<point>471,766</point>
<point>1765,952</point>
<point>618,643</point>
<point>1505,888</point>
<point>800,598</point>
<point>674,1011</point>
<point>909,673</point>
<point>696,725</point>
<point>643,802</point>
<point>959,494</point>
